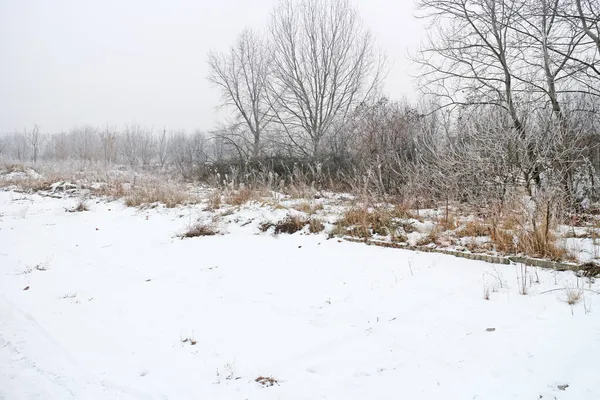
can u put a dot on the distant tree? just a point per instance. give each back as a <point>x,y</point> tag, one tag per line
<point>35,141</point>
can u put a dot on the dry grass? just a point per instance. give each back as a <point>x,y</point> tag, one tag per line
<point>292,224</point>
<point>113,189</point>
<point>510,222</point>
<point>473,229</point>
<point>315,226</point>
<point>308,207</point>
<point>79,207</point>
<point>244,195</point>
<point>447,224</point>
<point>365,222</point>
<point>168,194</point>
<point>529,242</point>
<point>214,201</point>
<point>573,296</point>
<point>267,381</point>
<point>189,340</point>
<point>300,191</point>
<point>29,184</point>
<point>200,229</point>
<point>431,237</point>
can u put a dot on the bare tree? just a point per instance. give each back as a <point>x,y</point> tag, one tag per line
<point>584,17</point>
<point>35,141</point>
<point>146,147</point>
<point>3,144</point>
<point>241,75</point>
<point>108,137</point>
<point>162,144</point>
<point>130,144</point>
<point>59,144</point>
<point>84,142</point>
<point>473,58</point>
<point>588,12</point>
<point>324,64</point>
<point>17,146</point>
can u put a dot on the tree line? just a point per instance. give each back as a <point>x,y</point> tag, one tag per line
<point>510,99</point>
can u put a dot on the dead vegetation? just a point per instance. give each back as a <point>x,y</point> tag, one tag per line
<point>79,207</point>
<point>148,194</point>
<point>292,224</point>
<point>244,195</point>
<point>364,222</point>
<point>267,381</point>
<point>200,229</point>
<point>189,339</point>
<point>214,201</point>
<point>308,207</point>
<point>573,296</point>
<point>473,229</point>
<point>315,226</point>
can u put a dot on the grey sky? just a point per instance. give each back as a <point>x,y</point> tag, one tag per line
<point>70,62</point>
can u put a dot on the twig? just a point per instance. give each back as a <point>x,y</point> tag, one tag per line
<point>554,290</point>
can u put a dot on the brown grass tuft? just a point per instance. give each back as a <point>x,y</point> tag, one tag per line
<point>315,226</point>
<point>146,194</point>
<point>291,224</point>
<point>573,296</point>
<point>242,196</point>
<point>200,229</point>
<point>80,207</point>
<point>363,222</point>
<point>214,201</point>
<point>473,229</point>
<point>447,224</point>
<point>308,207</point>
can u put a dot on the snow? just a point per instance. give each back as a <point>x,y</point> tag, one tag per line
<point>113,293</point>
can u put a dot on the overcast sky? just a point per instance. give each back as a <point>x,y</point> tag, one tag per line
<point>70,62</point>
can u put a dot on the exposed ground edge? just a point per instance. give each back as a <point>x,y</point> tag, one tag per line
<point>557,266</point>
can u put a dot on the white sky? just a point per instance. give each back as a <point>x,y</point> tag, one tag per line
<point>70,62</point>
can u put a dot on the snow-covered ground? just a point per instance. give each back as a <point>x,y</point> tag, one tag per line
<point>111,304</point>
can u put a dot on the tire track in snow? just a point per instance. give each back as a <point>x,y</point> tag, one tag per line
<point>35,365</point>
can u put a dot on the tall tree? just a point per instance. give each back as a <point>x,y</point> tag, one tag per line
<point>324,64</point>
<point>241,75</point>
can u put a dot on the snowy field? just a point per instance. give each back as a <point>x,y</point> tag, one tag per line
<point>110,304</point>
